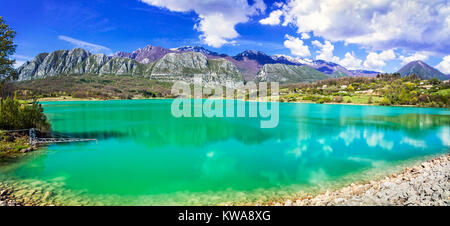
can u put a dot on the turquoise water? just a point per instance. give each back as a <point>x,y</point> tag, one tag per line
<point>145,156</point>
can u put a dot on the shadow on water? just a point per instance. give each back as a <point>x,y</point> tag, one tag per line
<point>100,135</point>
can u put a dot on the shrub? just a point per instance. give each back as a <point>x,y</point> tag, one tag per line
<point>350,88</point>
<point>125,97</point>
<point>385,101</point>
<point>311,98</point>
<point>14,115</point>
<point>324,100</point>
<point>338,99</point>
<point>80,94</point>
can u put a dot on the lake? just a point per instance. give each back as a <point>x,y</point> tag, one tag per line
<point>145,156</point>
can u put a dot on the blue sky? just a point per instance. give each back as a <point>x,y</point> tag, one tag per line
<point>359,34</point>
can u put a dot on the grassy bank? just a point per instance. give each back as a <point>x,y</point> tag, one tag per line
<point>13,144</point>
<point>16,118</point>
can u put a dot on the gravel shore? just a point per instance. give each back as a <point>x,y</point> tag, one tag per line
<point>427,184</point>
<point>6,199</point>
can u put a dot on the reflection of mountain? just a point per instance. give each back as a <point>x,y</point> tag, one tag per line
<point>414,121</point>
<point>154,125</point>
<point>413,125</point>
<point>411,122</point>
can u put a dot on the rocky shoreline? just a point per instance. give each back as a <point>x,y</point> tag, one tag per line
<point>427,184</point>
<point>7,199</point>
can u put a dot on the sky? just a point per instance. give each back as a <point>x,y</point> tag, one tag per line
<point>380,35</point>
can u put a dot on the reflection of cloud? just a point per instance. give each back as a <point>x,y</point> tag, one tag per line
<point>444,135</point>
<point>297,152</point>
<point>325,147</point>
<point>218,167</point>
<point>413,142</point>
<point>377,139</point>
<point>349,135</point>
<point>372,162</point>
<point>315,177</point>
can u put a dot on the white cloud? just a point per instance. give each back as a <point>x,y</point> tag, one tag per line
<point>86,45</point>
<point>18,63</point>
<point>418,25</point>
<point>444,65</point>
<point>217,18</point>
<point>376,61</point>
<point>350,61</point>
<point>326,51</point>
<point>273,19</point>
<point>296,46</point>
<point>20,60</point>
<point>21,57</point>
<point>417,56</point>
<point>305,35</point>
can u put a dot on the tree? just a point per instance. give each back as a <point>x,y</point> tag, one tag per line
<point>412,77</point>
<point>7,48</point>
<point>350,88</point>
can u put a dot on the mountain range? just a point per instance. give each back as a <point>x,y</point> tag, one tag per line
<point>185,62</point>
<point>423,70</point>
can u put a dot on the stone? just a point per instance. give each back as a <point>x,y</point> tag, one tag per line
<point>388,185</point>
<point>46,196</point>
<point>339,200</point>
<point>424,185</point>
<point>288,203</point>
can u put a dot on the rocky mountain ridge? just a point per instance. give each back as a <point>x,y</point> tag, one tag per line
<point>183,63</point>
<point>171,67</point>
<point>249,62</point>
<point>284,73</point>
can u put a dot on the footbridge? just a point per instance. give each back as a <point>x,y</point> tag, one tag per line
<point>38,137</point>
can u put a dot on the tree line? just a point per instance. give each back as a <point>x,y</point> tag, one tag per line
<point>13,113</point>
